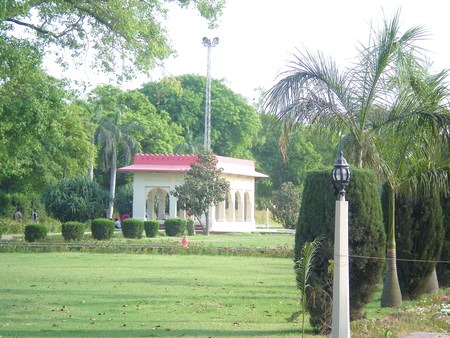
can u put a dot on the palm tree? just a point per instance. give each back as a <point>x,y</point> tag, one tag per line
<point>303,271</point>
<point>112,136</point>
<point>363,103</point>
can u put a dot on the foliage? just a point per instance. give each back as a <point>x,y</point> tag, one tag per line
<point>132,228</point>
<point>175,226</point>
<point>35,232</point>
<point>190,226</point>
<point>234,122</point>
<point>366,239</point>
<point>116,37</point>
<point>127,123</point>
<point>420,236</point>
<point>77,199</point>
<point>288,159</point>
<point>203,187</point>
<point>102,228</point>
<point>151,228</point>
<point>42,138</point>
<point>73,231</point>
<point>387,107</point>
<point>443,269</point>
<point>303,272</point>
<point>286,205</point>
<point>123,200</point>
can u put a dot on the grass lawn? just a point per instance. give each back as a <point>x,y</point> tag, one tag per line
<point>123,295</point>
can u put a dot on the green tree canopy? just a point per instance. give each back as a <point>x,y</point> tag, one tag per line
<point>124,35</point>
<point>234,122</point>
<point>42,137</point>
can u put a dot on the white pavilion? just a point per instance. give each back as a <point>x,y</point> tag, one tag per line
<point>155,175</point>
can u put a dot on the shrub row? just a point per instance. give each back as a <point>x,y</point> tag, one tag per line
<point>103,229</point>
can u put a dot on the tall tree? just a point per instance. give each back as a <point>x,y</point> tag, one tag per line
<point>377,95</point>
<point>124,36</point>
<point>203,187</point>
<point>234,122</point>
<point>110,136</point>
<point>42,137</point>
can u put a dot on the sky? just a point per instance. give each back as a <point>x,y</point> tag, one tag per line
<point>257,38</point>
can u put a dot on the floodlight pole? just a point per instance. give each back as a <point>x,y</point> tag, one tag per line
<point>208,43</point>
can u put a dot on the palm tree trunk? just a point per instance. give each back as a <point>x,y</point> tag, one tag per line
<point>432,282</point>
<point>391,295</point>
<point>112,183</point>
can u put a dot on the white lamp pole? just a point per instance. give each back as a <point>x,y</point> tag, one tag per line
<point>341,291</point>
<point>208,43</point>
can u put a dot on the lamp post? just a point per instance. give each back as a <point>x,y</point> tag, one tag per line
<point>208,43</point>
<point>341,292</point>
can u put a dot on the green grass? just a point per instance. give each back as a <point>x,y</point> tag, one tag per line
<point>98,295</point>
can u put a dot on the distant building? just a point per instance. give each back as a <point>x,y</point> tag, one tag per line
<point>156,175</point>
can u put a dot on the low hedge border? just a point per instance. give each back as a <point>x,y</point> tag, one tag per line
<point>145,249</point>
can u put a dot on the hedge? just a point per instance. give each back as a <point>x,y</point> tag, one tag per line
<point>102,228</point>
<point>175,226</point>
<point>151,228</point>
<point>73,231</point>
<point>35,232</point>
<point>132,228</point>
<point>366,239</point>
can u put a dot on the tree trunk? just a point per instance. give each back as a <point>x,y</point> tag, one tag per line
<point>391,295</point>
<point>112,183</point>
<point>91,172</point>
<point>432,282</point>
<point>206,228</point>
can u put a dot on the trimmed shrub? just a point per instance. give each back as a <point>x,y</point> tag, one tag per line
<point>102,228</point>
<point>132,228</point>
<point>419,238</point>
<point>73,231</point>
<point>35,232</point>
<point>151,228</point>
<point>175,226</point>
<point>366,239</point>
<point>190,227</point>
<point>443,269</point>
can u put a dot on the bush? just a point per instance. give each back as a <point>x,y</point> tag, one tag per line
<point>132,228</point>
<point>175,226</point>
<point>9,226</point>
<point>73,231</point>
<point>190,227</point>
<point>419,239</point>
<point>76,199</point>
<point>151,228</point>
<point>366,238</point>
<point>35,232</point>
<point>102,228</point>
<point>443,269</point>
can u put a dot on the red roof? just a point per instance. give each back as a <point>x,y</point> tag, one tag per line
<point>182,163</point>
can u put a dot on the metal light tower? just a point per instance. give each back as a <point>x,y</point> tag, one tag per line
<point>208,43</point>
<point>341,290</point>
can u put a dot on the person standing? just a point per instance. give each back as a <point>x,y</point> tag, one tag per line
<point>34,216</point>
<point>18,216</point>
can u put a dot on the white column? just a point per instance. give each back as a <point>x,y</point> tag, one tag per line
<point>231,203</point>
<point>161,204</point>
<point>172,206</point>
<point>341,298</point>
<point>139,198</point>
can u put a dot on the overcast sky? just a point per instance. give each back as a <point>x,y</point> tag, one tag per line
<point>258,37</point>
